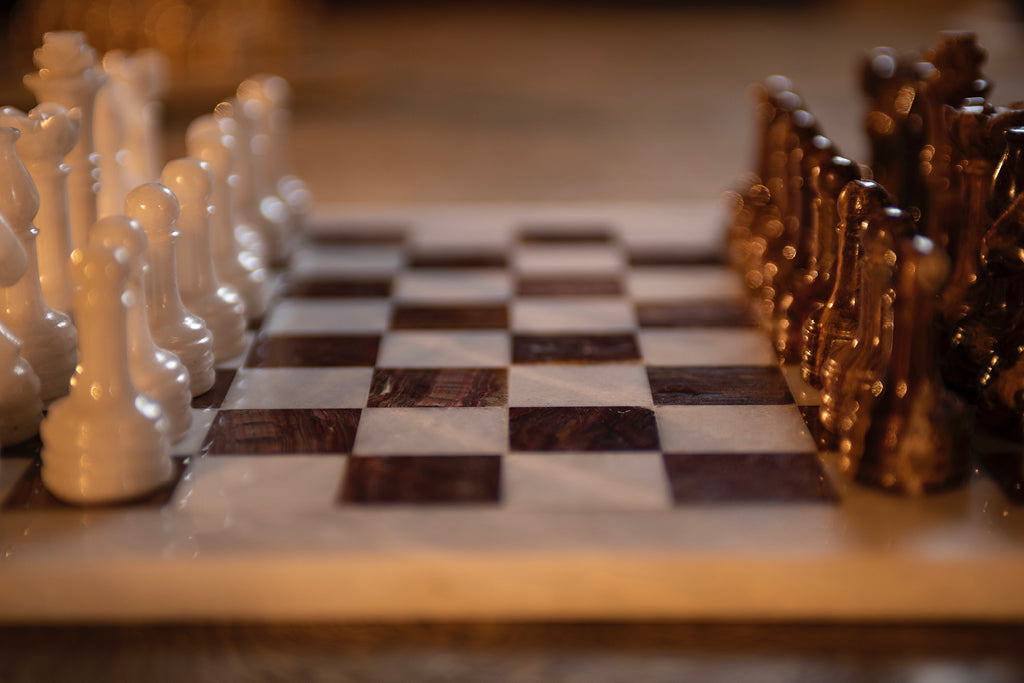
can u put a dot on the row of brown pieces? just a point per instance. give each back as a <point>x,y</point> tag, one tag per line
<point>768,227</point>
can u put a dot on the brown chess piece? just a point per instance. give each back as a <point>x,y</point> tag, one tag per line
<point>836,324</point>
<point>977,134</point>
<point>913,437</point>
<point>814,283</point>
<point>957,76</point>
<point>892,80</point>
<point>992,303</point>
<point>758,201</point>
<point>787,255</point>
<point>859,365</point>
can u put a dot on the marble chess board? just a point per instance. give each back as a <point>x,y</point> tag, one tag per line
<point>511,412</point>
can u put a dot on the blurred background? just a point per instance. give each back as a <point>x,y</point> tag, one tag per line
<point>410,102</point>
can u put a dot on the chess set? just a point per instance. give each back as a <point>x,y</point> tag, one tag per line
<point>498,411</point>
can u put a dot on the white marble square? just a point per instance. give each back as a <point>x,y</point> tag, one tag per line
<point>568,260</point>
<point>589,314</point>
<point>249,492</point>
<point>439,431</point>
<point>302,316</point>
<point>706,347</point>
<point>236,361</point>
<point>452,285</point>
<point>721,429</point>
<point>201,421</point>
<point>578,385</point>
<point>456,349</point>
<point>299,388</point>
<point>585,482</point>
<point>698,283</point>
<point>347,260</point>
<point>803,393</point>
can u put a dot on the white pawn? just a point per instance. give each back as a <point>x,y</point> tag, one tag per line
<point>266,215</point>
<point>155,372</point>
<point>233,262</point>
<point>105,442</point>
<point>48,335</point>
<point>275,95</point>
<point>20,406</point>
<point>48,133</point>
<point>217,304</point>
<point>110,121</point>
<point>68,76</point>
<point>173,327</point>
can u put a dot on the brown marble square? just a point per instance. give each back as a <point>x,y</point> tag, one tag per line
<point>593,348</point>
<point>823,439</point>
<point>591,286</point>
<point>336,288</point>
<point>438,388</point>
<point>422,479</point>
<point>1007,469</point>
<point>566,234</point>
<point>28,493</point>
<point>468,317</point>
<point>351,234</point>
<point>747,478</point>
<point>695,314</point>
<point>215,396</point>
<point>459,259</point>
<point>676,257</point>
<point>317,351</point>
<point>717,386</point>
<point>582,429</point>
<point>267,431</point>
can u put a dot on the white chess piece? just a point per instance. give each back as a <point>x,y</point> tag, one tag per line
<point>20,406</point>
<point>48,134</point>
<point>68,76</point>
<point>173,327</point>
<point>105,442</point>
<point>275,94</point>
<point>48,335</point>
<point>110,120</point>
<point>217,304</point>
<point>267,215</point>
<point>13,260</point>
<point>155,372</point>
<point>150,77</point>
<point>233,262</point>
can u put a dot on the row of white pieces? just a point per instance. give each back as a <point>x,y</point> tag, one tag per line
<point>190,326</point>
<point>120,120</point>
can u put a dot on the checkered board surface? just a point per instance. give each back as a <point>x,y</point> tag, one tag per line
<point>510,412</point>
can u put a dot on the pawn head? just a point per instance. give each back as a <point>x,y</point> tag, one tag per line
<point>860,198</point>
<point>189,179</point>
<point>120,232</point>
<point>206,141</point>
<point>154,206</point>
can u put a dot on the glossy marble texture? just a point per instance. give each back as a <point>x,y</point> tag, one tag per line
<point>582,429</point>
<point>436,387</point>
<point>422,479</point>
<point>466,317</point>
<point>258,431</point>
<point>718,386</point>
<point>747,477</point>
<point>579,286</point>
<point>593,348</point>
<point>313,351</point>
<point>694,314</point>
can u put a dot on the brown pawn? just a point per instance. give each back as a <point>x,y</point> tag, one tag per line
<point>753,195</point>
<point>913,437</point>
<point>787,254</point>
<point>957,76</point>
<point>766,217</point>
<point>993,302</point>
<point>977,133</point>
<point>814,283</point>
<point>892,81</point>
<point>859,365</point>
<point>837,322</point>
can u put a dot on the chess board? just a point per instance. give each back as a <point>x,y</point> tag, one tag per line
<point>511,412</point>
